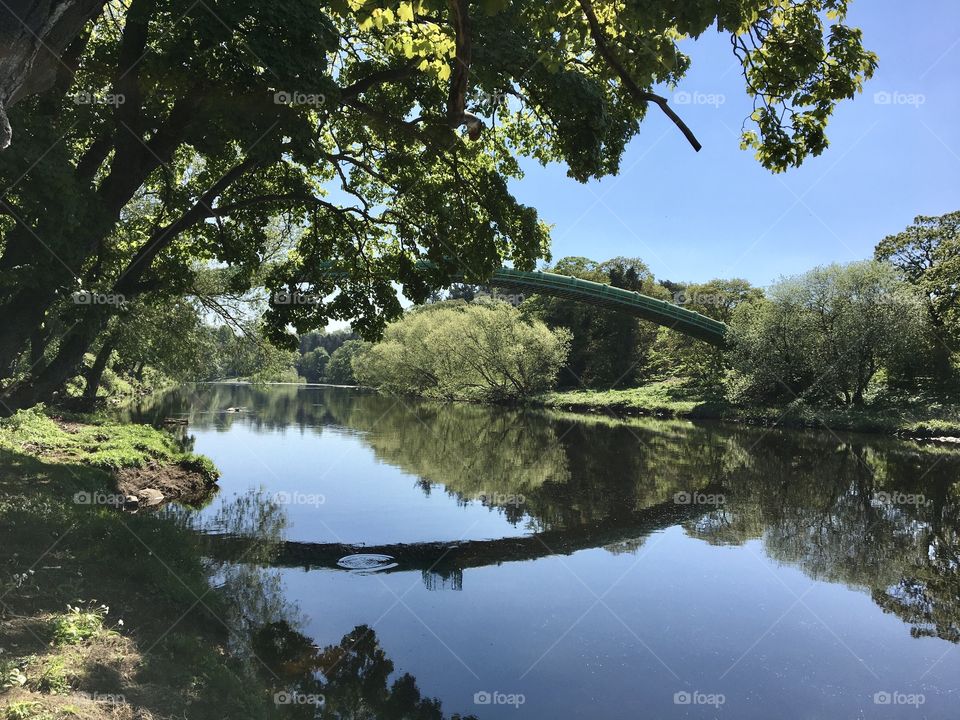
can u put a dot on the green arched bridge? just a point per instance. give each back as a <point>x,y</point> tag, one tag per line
<point>643,306</point>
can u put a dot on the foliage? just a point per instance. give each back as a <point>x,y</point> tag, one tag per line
<point>676,354</point>
<point>77,625</point>
<point>329,341</point>
<point>481,350</point>
<point>607,348</point>
<point>928,253</point>
<point>246,353</point>
<point>312,365</point>
<point>825,334</point>
<point>167,334</point>
<point>187,130</point>
<point>23,710</point>
<point>341,369</point>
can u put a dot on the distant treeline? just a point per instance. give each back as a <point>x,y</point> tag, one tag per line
<point>836,335</point>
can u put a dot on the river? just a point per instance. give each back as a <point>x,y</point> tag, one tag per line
<point>520,564</point>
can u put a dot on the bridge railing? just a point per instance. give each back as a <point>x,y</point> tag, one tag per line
<point>649,308</point>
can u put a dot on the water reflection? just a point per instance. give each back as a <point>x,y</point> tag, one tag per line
<point>878,515</point>
<point>353,679</point>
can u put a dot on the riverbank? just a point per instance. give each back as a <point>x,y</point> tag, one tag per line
<point>107,614</point>
<point>674,399</point>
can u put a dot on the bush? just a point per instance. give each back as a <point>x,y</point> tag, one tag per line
<point>476,351</point>
<point>340,367</point>
<point>825,334</point>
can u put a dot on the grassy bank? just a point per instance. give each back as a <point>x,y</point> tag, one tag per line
<point>674,398</point>
<point>106,614</point>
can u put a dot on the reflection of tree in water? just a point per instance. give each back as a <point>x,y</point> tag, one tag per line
<point>469,450</point>
<point>858,515</point>
<point>253,591</point>
<point>816,500</point>
<point>265,407</point>
<point>353,677</point>
<point>556,473</point>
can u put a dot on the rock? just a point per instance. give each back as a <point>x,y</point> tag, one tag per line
<point>150,497</point>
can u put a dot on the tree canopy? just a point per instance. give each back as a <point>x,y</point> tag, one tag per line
<point>928,253</point>
<point>480,351</point>
<point>826,333</point>
<point>374,134</point>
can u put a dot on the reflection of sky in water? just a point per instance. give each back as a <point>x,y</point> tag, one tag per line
<point>338,491</point>
<point>770,606</point>
<point>676,606</point>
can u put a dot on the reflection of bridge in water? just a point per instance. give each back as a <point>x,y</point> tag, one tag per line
<point>442,563</point>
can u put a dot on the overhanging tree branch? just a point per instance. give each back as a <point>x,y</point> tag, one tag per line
<point>457,114</point>
<point>596,32</point>
<point>354,90</point>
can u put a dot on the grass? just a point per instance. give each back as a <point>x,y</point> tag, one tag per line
<point>669,398</point>
<point>77,625</point>
<point>676,398</point>
<point>62,564</point>
<point>93,441</point>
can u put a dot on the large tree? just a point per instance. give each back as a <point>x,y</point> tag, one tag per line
<point>384,132</point>
<point>826,333</point>
<point>928,253</point>
<point>36,45</point>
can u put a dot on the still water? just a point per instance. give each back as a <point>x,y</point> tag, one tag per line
<point>516,564</point>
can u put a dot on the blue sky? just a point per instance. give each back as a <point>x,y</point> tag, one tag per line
<point>718,213</point>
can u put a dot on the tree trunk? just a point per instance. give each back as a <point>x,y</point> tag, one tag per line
<point>63,366</point>
<point>23,316</point>
<point>95,374</point>
<point>33,36</point>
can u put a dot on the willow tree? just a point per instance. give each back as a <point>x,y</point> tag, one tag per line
<point>386,131</point>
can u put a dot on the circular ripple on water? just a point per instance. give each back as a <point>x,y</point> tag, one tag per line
<point>366,562</point>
